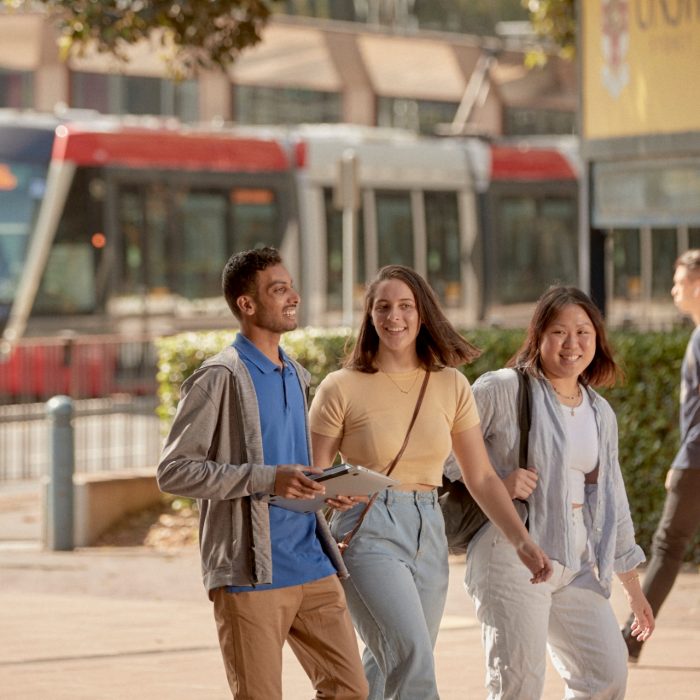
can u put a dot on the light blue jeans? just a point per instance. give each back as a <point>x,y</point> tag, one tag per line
<point>569,616</point>
<point>397,589</point>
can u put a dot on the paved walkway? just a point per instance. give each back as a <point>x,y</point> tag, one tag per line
<point>116,623</point>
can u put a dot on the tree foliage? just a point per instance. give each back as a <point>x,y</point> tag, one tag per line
<point>192,33</point>
<point>555,20</point>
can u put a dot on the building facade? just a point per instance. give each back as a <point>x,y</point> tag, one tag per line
<point>640,126</point>
<point>304,70</point>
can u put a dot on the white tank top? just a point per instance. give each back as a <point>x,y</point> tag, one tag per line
<point>582,438</point>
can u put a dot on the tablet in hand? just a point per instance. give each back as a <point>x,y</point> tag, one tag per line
<point>341,480</point>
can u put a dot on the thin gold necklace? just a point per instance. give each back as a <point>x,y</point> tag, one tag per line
<point>396,384</point>
<point>576,397</point>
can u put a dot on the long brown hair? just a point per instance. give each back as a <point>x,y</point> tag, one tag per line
<point>602,371</point>
<point>438,344</point>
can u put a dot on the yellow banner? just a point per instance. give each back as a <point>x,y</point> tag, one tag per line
<point>641,67</point>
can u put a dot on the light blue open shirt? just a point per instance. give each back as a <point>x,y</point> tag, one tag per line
<point>606,510</point>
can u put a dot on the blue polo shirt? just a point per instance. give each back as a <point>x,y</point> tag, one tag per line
<point>297,556</point>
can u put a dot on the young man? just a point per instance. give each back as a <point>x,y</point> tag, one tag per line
<point>681,515</point>
<point>240,434</point>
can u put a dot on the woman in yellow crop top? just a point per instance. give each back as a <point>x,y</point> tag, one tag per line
<point>398,557</point>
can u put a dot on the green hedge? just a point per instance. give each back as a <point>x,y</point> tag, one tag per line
<point>646,403</point>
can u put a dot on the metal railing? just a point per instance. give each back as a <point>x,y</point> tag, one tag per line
<point>113,384</point>
<point>112,434</point>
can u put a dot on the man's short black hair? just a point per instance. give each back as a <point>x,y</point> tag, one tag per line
<point>238,277</point>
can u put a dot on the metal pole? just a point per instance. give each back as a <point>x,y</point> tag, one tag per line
<point>59,530</point>
<point>349,216</point>
<point>349,199</point>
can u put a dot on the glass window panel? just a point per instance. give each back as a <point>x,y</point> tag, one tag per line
<point>522,122</point>
<point>334,252</point>
<point>627,267</point>
<point>328,9</point>
<point>160,255</point>
<point>694,237</point>
<point>394,228</point>
<point>16,89</point>
<point>63,293</point>
<point>186,106</point>
<point>140,95</point>
<point>132,226</point>
<point>558,240</point>
<point>255,218</point>
<point>662,193</point>
<point>664,253</point>
<point>416,115</point>
<point>264,105</point>
<point>203,217</point>
<point>146,252</point>
<point>135,95</point>
<point>442,229</point>
<point>21,189</point>
<point>73,250</point>
<point>90,91</point>
<point>537,246</point>
<point>517,260</point>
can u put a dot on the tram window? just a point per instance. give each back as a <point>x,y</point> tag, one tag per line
<point>203,217</point>
<point>145,250</point>
<point>74,292</point>
<point>664,254</point>
<point>132,241</point>
<point>536,245</point>
<point>627,270</point>
<point>694,237</point>
<point>394,228</point>
<point>21,189</point>
<point>442,231</point>
<point>334,252</point>
<point>68,293</point>
<point>255,218</point>
<point>160,254</point>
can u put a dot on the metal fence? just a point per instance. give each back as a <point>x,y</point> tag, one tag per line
<point>111,434</point>
<point>113,384</point>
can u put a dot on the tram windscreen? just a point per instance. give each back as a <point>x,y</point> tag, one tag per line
<point>22,187</point>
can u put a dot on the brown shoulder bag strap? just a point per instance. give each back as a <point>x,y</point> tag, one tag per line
<point>390,468</point>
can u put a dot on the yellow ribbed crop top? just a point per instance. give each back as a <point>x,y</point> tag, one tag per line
<point>370,413</point>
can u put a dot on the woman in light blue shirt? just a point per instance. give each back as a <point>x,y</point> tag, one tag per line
<point>577,511</point>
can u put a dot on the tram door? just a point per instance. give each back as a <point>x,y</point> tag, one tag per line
<point>142,248</point>
<point>173,241</point>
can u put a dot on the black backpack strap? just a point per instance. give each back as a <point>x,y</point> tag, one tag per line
<point>524,415</point>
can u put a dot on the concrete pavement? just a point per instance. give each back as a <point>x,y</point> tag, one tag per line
<point>115,623</point>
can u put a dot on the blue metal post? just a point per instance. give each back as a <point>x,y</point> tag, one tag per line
<point>59,531</point>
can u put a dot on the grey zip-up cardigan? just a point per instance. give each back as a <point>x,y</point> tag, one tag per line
<point>214,453</point>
